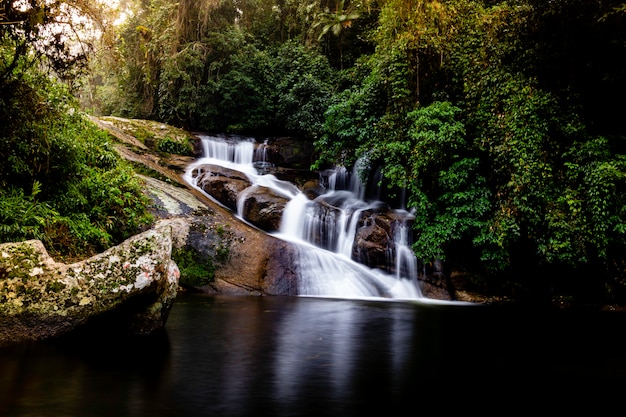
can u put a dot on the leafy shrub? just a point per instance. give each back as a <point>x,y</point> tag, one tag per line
<point>22,217</point>
<point>63,182</point>
<point>194,271</point>
<point>169,145</point>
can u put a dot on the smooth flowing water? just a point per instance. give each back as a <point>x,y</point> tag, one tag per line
<point>324,239</point>
<point>306,356</point>
<point>222,356</point>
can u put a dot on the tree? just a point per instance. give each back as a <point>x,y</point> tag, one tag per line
<point>420,33</point>
<point>334,22</point>
<point>60,179</point>
<point>56,31</point>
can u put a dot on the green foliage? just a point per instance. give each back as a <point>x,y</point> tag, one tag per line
<point>204,73</point>
<point>446,190</point>
<point>82,197</point>
<point>194,271</point>
<point>22,217</point>
<point>45,34</point>
<point>587,220</point>
<point>494,116</point>
<point>169,145</point>
<point>304,86</point>
<point>108,204</point>
<point>353,120</point>
<point>228,84</point>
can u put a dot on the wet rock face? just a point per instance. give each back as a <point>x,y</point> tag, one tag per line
<point>40,298</point>
<point>221,183</point>
<point>260,205</point>
<point>263,207</point>
<point>290,152</point>
<point>372,243</point>
<point>372,240</point>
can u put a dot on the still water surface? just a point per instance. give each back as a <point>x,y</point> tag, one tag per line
<point>294,356</point>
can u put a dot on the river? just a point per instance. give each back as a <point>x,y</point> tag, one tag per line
<point>322,230</point>
<point>309,356</point>
<point>356,342</point>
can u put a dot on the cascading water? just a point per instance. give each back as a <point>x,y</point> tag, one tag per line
<point>323,230</point>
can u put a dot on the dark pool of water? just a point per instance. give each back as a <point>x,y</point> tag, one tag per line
<point>288,356</point>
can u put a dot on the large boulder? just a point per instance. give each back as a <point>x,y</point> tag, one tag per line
<point>216,252</point>
<point>373,242</point>
<point>263,207</point>
<point>286,158</point>
<point>289,152</point>
<point>223,184</point>
<point>134,283</point>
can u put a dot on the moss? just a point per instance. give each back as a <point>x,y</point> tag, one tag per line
<point>143,247</point>
<point>19,261</point>
<point>142,169</point>
<point>222,253</point>
<point>157,136</point>
<point>195,270</point>
<point>169,145</point>
<point>220,230</point>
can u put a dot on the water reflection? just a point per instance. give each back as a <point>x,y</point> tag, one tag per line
<point>288,356</point>
<point>99,379</point>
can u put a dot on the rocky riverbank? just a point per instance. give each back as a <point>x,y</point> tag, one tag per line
<point>256,258</point>
<point>41,298</point>
<point>195,244</point>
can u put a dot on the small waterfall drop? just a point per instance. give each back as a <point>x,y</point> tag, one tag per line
<point>236,154</point>
<point>323,230</point>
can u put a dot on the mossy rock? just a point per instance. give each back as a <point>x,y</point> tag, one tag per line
<point>156,136</point>
<point>41,298</point>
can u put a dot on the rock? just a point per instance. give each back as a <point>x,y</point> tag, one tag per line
<point>281,274</point>
<point>263,207</point>
<point>372,243</point>
<point>41,298</point>
<point>243,260</point>
<point>216,252</point>
<point>149,135</point>
<point>258,265</point>
<point>313,189</point>
<point>223,184</point>
<point>289,152</point>
<point>169,201</point>
<point>287,158</point>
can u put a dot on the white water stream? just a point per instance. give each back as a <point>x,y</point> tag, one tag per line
<point>324,238</point>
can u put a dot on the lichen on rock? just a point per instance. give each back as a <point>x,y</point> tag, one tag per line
<point>41,298</point>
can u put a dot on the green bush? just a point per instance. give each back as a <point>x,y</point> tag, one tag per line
<point>62,182</point>
<point>194,271</point>
<point>169,145</point>
<point>22,217</point>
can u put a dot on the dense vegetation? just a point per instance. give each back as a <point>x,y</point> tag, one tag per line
<point>61,181</point>
<point>501,119</point>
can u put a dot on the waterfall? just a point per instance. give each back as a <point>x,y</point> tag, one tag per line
<point>261,162</point>
<point>233,153</point>
<point>323,230</point>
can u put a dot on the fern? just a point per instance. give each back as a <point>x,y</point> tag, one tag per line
<point>22,216</point>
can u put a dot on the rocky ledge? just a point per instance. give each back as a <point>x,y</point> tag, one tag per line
<point>134,283</point>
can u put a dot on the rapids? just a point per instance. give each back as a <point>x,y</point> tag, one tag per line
<point>324,242</point>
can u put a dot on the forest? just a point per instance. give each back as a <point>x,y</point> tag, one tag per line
<point>503,121</point>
